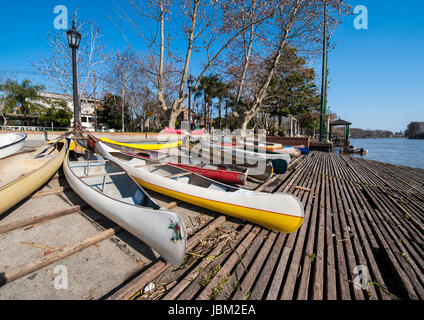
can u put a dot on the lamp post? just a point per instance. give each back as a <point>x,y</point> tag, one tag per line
<point>190,84</point>
<point>74,40</point>
<point>324,78</point>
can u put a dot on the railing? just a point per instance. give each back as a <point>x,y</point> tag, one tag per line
<point>31,128</point>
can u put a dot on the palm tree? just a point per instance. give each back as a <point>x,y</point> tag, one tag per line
<point>221,91</point>
<point>24,96</point>
<point>206,87</point>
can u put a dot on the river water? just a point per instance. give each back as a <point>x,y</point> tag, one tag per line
<point>398,151</point>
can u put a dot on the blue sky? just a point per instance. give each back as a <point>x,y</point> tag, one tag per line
<point>376,75</point>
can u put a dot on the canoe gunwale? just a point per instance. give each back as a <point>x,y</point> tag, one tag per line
<point>15,142</point>
<point>33,171</point>
<point>81,179</point>
<point>148,224</point>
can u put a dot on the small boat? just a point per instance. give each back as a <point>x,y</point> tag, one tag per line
<point>217,173</point>
<point>253,143</point>
<point>286,150</point>
<point>11,143</point>
<point>360,151</point>
<point>106,187</point>
<point>179,131</point>
<point>280,212</point>
<point>145,146</point>
<point>280,162</point>
<point>22,174</point>
<point>221,173</point>
<point>215,157</point>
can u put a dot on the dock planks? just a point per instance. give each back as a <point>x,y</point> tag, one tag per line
<point>363,220</point>
<point>362,239</point>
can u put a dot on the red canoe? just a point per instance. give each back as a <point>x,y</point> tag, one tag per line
<point>221,175</point>
<point>178,131</point>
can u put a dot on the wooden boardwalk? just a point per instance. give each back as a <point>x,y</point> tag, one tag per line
<point>362,240</point>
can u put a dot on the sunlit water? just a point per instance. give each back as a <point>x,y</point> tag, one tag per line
<point>402,152</point>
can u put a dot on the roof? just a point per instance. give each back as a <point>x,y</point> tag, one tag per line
<point>341,122</point>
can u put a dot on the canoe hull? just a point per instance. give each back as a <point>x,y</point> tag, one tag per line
<point>224,176</point>
<point>11,143</point>
<point>271,220</point>
<point>151,226</point>
<point>146,146</point>
<point>21,188</point>
<point>280,212</point>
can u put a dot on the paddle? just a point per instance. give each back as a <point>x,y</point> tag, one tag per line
<point>41,154</point>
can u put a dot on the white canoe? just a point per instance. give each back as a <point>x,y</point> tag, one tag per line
<point>247,154</point>
<point>255,143</point>
<point>11,143</point>
<point>106,187</point>
<point>280,162</point>
<point>280,212</point>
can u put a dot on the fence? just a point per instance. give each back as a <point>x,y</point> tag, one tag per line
<point>30,128</point>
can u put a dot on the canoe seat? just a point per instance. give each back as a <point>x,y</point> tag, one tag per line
<point>178,175</point>
<point>104,175</point>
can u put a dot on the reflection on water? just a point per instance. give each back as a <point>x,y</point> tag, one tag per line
<point>402,152</point>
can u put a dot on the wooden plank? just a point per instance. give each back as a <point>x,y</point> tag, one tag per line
<point>244,292</point>
<point>298,252</point>
<point>43,218</point>
<point>58,255</point>
<point>44,193</point>
<point>197,284</point>
<point>241,269</point>
<point>193,274</point>
<point>228,266</point>
<point>380,229</point>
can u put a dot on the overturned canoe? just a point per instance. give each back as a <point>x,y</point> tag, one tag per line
<point>24,173</point>
<point>280,162</point>
<point>214,157</point>
<point>251,143</point>
<point>11,143</point>
<point>280,212</point>
<point>106,187</point>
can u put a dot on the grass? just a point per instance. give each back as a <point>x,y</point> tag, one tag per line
<point>219,287</point>
<point>210,275</point>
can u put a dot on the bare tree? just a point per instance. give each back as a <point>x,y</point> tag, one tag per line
<point>296,23</point>
<point>206,29</point>
<point>56,65</point>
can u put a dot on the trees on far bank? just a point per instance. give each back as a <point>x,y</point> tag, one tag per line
<point>415,130</point>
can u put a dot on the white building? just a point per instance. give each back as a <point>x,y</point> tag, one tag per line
<point>87,108</point>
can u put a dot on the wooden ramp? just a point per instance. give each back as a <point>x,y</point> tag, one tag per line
<point>362,240</point>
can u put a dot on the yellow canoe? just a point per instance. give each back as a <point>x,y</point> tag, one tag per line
<point>24,173</point>
<point>145,146</point>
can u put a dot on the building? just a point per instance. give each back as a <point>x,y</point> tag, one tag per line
<point>88,108</point>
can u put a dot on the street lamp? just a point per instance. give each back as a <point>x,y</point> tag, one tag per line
<point>74,40</point>
<point>190,84</point>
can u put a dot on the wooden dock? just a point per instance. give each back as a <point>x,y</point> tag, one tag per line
<point>362,239</point>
